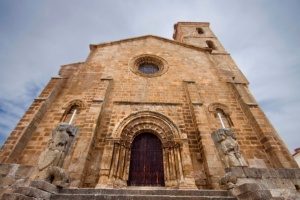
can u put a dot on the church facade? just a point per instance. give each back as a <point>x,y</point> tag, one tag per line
<point>148,111</point>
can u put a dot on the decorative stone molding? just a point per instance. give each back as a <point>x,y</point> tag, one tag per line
<point>214,106</point>
<point>78,102</point>
<point>176,156</point>
<point>149,59</point>
<point>147,121</point>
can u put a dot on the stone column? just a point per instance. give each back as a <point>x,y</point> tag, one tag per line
<point>189,181</point>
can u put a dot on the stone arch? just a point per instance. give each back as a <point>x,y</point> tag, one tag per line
<point>224,112</point>
<point>176,155</point>
<point>153,122</point>
<point>75,105</point>
<point>214,106</point>
<point>78,102</point>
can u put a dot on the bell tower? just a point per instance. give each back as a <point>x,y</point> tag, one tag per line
<point>198,34</point>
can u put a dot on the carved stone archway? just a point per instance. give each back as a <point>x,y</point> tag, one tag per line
<point>177,162</point>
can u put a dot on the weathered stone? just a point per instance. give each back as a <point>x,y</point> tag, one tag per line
<point>228,148</point>
<point>23,171</point>
<point>245,188</point>
<point>253,173</point>
<point>4,168</point>
<point>45,186</point>
<point>7,181</point>
<point>256,195</point>
<point>51,160</point>
<point>16,196</point>
<point>238,171</point>
<point>33,192</point>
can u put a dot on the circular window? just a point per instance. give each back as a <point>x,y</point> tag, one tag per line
<point>148,68</point>
<point>148,65</point>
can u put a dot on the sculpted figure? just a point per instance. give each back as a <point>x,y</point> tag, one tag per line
<point>231,149</point>
<point>51,160</point>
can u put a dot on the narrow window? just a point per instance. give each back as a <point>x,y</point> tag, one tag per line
<point>224,119</point>
<point>211,44</point>
<point>71,115</point>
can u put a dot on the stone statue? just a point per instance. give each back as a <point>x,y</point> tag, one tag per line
<point>228,147</point>
<point>49,165</point>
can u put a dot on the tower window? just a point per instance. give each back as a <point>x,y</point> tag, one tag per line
<point>211,44</point>
<point>200,30</point>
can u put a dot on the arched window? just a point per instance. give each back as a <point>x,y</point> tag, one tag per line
<point>200,30</point>
<point>71,114</point>
<point>211,44</point>
<point>224,119</point>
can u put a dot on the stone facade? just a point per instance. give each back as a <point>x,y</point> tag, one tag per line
<point>197,83</point>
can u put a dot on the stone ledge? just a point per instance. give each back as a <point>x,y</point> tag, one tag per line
<point>97,100</point>
<point>258,173</point>
<point>45,186</point>
<point>256,195</point>
<point>197,103</point>
<point>33,192</point>
<point>245,188</point>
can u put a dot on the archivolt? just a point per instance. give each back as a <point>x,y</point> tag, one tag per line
<point>78,102</point>
<point>214,106</point>
<point>146,121</point>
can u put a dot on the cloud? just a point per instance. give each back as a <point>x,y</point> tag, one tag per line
<point>37,37</point>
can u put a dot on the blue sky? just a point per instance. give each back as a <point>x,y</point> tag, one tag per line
<point>262,36</point>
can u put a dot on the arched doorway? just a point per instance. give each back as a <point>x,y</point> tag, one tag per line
<point>146,161</point>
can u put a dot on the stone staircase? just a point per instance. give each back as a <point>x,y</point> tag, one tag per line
<point>141,194</point>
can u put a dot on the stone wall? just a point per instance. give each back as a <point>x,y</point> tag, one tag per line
<point>256,183</point>
<point>13,176</point>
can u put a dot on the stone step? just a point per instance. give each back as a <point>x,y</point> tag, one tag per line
<point>145,194</point>
<point>148,191</point>
<point>135,197</point>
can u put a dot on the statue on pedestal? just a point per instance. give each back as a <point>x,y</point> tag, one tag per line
<point>228,148</point>
<point>49,165</point>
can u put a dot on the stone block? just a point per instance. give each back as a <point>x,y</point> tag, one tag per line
<point>246,187</point>
<point>252,172</point>
<point>33,192</point>
<point>5,190</point>
<point>24,171</point>
<point>16,196</point>
<point>256,195</point>
<point>296,173</point>
<point>286,173</point>
<point>238,171</point>
<point>283,184</point>
<point>4,168</point>
<point>45,186</point>
<point>269,173</point>
<point>7,181</point>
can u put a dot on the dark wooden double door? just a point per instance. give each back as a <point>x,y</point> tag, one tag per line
<point>146,161</point>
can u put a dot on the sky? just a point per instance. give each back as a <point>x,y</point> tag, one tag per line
<point>262,36</point>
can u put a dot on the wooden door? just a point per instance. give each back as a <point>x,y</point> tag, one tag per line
<point>146,161</point>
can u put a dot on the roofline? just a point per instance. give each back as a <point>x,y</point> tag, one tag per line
<point>95,46</point>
